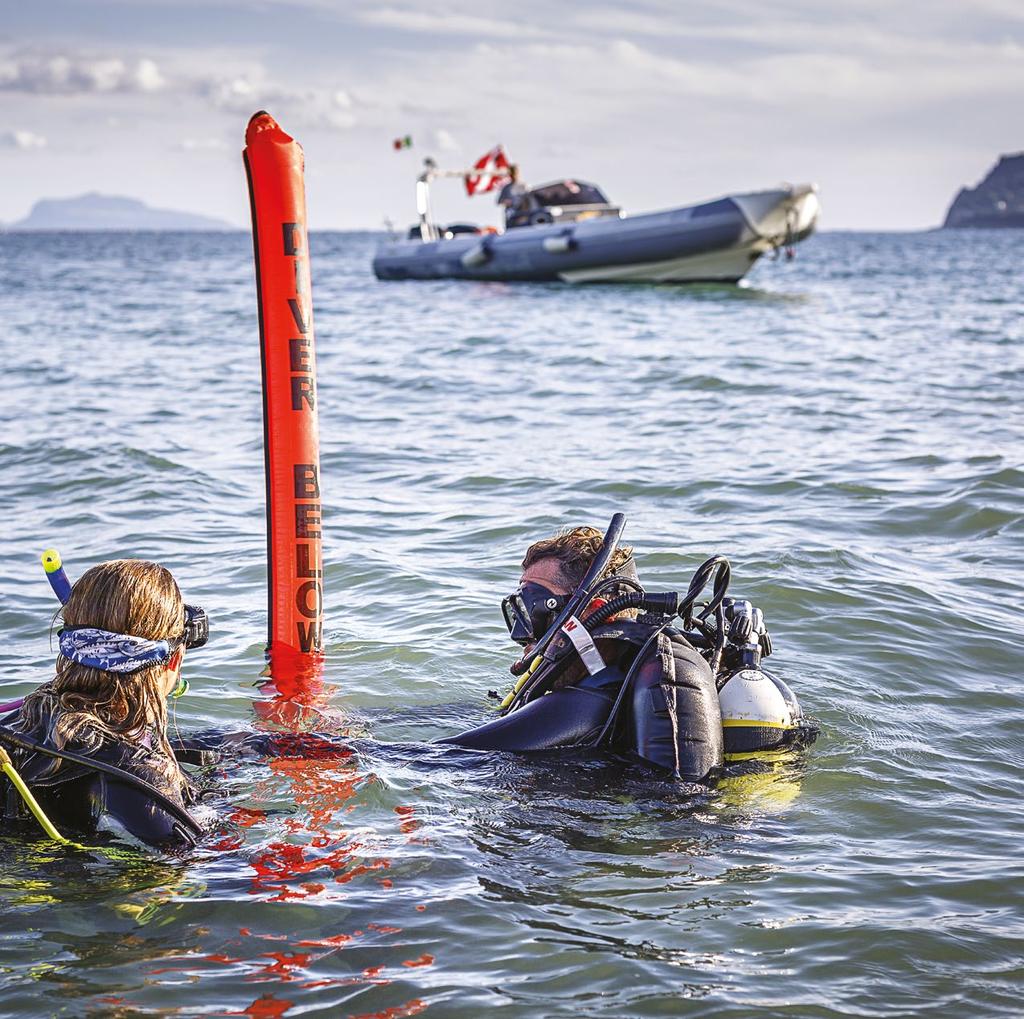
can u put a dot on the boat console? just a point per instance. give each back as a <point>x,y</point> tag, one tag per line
<point>565,201</point>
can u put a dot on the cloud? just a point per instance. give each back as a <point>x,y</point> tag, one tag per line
<point>609,75</point>
<point>238,87</point>
<point>203,145</point>
<point>445,142</point>
<point>61,74</point>
<point>752,37</point>
<point>243,94</point>
<point>24,140</point>
<point>440,23</point>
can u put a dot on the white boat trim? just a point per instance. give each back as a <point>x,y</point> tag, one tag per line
<point>781,216</point>
<point>718,266</point>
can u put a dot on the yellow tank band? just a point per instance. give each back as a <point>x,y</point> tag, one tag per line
<point>737,723</point>
<point>760,755</point>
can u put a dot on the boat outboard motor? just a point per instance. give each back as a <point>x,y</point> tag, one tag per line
<point>759,711</point>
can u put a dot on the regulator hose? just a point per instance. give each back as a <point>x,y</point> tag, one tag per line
<point>613,715</point>
<point>717,566</point>
<point>670,603</point>
<point>666,604</point>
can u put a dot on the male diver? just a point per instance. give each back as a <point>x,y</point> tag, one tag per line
<point>655,676</point>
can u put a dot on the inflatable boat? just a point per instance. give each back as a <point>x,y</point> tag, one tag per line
<point>572,233</point>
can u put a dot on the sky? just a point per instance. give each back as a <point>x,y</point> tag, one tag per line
<point>889,108</point>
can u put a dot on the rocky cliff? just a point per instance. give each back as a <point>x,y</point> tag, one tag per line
<point>998,201</point>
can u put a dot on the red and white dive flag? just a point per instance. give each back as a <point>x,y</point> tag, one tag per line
<point>491,175</point>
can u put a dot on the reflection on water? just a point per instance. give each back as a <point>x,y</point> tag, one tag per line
<point>766,785</point>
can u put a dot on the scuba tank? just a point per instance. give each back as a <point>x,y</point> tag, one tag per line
<point>759,711</point>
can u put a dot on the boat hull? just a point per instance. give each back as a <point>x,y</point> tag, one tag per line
<point>714,242</point>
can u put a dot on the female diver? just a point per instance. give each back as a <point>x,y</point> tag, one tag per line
<point>92,742</point>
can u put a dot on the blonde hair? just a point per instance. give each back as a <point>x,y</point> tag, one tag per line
<point>128,596</point>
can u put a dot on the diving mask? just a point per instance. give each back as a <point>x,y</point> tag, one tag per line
<point>97,648</point>
<point>197,627</point>
<point>195,634</point>
<point>530,610</point>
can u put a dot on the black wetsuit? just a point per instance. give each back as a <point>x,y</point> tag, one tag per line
<point>77,797</point>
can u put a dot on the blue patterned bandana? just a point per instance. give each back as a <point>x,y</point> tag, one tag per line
<point>111,652</point>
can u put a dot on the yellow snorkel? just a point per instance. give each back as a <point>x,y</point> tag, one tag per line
<point>521,682</point>
<point>7,767</point>
<point>62,588</point>
<point>55,574</point>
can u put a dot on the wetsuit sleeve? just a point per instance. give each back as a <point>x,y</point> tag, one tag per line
<point>132,809</point>
<point>210,746</point>
<point>566,718</point>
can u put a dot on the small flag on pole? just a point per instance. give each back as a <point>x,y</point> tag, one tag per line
<point>405,142</point>
<point>491,175</point>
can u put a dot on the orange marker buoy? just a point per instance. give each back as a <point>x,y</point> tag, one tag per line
<point>291,439</point>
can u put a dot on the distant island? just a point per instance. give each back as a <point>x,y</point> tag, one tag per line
<point>998,201</point>
<point>111,212</point>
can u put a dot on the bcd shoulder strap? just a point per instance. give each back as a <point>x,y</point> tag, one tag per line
<point>676,721</point>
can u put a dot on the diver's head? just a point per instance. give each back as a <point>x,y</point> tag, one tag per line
<point>121,649</point>
<point>552,570</point>
<point>571,553</point>
<point>127,596</point>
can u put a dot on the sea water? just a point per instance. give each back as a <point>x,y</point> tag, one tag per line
<point>846,428</point>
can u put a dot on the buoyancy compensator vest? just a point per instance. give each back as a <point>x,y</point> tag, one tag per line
<point>655,697</point>
<point>82,788</point>
<point>673,719</point>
